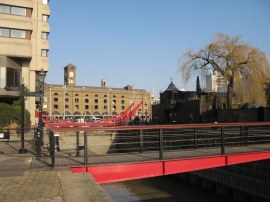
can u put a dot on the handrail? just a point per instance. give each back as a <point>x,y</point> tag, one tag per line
<point>157,127</point>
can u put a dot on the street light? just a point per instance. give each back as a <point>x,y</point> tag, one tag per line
<point>39,134</point>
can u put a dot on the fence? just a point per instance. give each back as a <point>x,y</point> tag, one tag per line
<point>104,145</point>
<point>89,146</point>
<point>18,150</point>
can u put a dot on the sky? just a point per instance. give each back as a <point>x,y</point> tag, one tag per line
<point>140,42</point>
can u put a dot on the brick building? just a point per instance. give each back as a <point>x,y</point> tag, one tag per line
<point>69,100</point>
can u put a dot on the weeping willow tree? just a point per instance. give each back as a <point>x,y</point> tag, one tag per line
<point>242,66</point>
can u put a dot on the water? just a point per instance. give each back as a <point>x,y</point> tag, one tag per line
<point>160,189</point>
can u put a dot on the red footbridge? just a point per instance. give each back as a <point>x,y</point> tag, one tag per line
<point>119,153</point>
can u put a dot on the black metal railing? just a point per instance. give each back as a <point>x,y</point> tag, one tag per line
<point>88,146</point>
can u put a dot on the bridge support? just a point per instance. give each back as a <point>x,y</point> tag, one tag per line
<point>130,171</point>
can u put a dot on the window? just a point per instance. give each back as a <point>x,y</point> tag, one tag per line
<point>13,77</point>
<point>122,101</point>
<point>4,9</point>
<point>114,102</point>
<point>18,11</point>
<point>55,106</point>
<point>66,107</point>
<point>105,107</point>
<point>76,94</point>
<point>66,94</point>
<point>105,101</point>
<point>44,53</point>
<point>4,32</point>
<point>45,18</point>
<point>55,99</point>
<point>122,107</point>
<point>76,107</point>
<point>15,33</point>
<point>45,2</point>
<point>86,100</point>
<point>14,10</point>
<point>44,35</point>
<point>55,94</point>
<point>86,107</point>
<point>105,95</point>
<point>96,106</point>
<point>66,100</point>
<point>96,95</point>
<point>96,100</point>
<point>76,100</point>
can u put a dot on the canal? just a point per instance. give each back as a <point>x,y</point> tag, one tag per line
<point>160,189</point>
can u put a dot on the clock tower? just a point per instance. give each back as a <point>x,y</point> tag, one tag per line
<point>70,75</point>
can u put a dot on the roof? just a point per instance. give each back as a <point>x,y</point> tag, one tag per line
<point>70,65</point>
<point>172,87</point>
<point>87,87</point>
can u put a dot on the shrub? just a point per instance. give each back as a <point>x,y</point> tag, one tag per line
<point>12,114</point>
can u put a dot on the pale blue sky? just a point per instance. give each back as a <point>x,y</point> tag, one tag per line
<point>139,42</point>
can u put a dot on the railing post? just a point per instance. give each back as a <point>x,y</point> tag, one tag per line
<point>85,149</point>
<point>77,144</point>
<point>22,149</point>
<point>222,141</point>
<point>195,138</point>
<point>52,148</point>
<point>161,144</point>
<point>141,141</point>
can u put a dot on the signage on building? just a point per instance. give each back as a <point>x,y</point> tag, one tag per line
<point>32,94</point>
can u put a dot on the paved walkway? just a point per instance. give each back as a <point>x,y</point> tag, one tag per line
<point>24,178</point>
<point>50,186</point>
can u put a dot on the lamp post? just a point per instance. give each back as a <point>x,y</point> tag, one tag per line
<point>39,133</point>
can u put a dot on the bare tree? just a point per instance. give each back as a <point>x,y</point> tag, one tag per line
<point>267,93</point>
<point>240,64</point>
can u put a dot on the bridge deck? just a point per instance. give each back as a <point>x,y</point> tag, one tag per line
<point>66,159</point>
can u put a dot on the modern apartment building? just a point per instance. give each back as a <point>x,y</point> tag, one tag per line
<point>215,83</point>
<point>69,100</point>
<point>24,31</point>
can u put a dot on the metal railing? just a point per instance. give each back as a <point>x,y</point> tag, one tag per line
<point>101,145</point>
